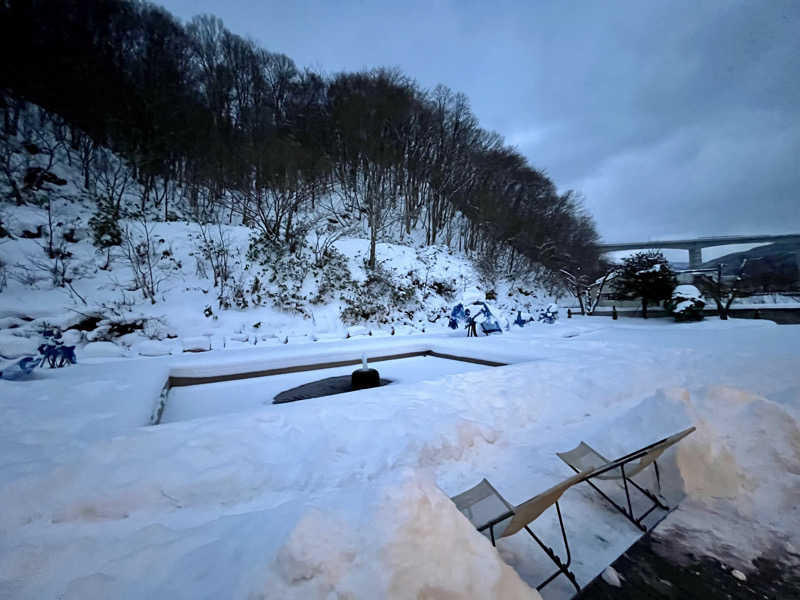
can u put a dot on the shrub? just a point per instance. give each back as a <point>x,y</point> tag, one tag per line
<point>104,225</point>
<point>379,294</point>
<point>686,304</point>
<point>332,274</point>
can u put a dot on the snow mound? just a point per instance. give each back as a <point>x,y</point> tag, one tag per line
<point>686,291</point>
<point>422,548</point>
<point>742,465</point>
<point>152,348</point>
<point>13,346</point>
<point>101,350</point>
<point>435,552</point>
<point>196,344</point>
<point>317,556</point>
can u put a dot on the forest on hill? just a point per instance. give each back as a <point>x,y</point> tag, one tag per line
<point>210,121</point>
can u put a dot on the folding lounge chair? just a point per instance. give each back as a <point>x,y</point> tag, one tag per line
<point>488,510</point>
<point>584,459</point>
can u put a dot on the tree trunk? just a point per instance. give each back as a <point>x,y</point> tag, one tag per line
<point>373,238</point>
<point>728,305</point>
<point>644,308</point>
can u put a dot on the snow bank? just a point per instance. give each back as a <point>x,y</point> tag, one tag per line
<point>13,346</point>
<point>741,466</point>
<point>454,560</point>
<point>101,350</point>
<point>421,547</point>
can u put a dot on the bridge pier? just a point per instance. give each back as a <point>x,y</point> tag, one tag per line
<point>695,256</point>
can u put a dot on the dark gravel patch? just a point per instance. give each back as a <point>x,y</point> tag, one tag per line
<point>649,573</point>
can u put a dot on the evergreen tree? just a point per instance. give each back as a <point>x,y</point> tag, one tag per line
<point>646,275</point>
<point>106,232</point>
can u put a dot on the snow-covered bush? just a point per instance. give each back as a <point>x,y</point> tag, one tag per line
<point>105,229</point>
<point>104,225</point>
<point>381,293</point>
<point>155,329</point>
<point>332,275</point>
<point>276,277</point>
<point>686,303</point>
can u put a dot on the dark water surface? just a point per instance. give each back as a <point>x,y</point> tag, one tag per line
<point>317,389</point>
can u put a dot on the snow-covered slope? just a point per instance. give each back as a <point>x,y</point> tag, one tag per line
<point>187,303</point>
<point>52,274</point>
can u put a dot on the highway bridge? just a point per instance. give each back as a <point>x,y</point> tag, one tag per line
<point>695,246</point>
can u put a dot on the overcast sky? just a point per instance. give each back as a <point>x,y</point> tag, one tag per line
<point>671,118</point>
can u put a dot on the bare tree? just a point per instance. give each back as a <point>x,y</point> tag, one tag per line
<point>141,254</point>
<point>215,247</point>
<point>112,177</point>
<point>11,166</point>
<point>577,283</point>
<point>723,290</point>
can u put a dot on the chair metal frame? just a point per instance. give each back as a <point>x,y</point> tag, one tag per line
<point>626,480</point>
<point>563,566</point>
<point>620,464</point>
<point>524,514</point>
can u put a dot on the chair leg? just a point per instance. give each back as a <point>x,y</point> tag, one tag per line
<point>563,567</point>
<point>617,506</point>
<point>629,512</point>
<point>649,494</point>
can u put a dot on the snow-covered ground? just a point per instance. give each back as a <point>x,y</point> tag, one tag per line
<point>347,496</point>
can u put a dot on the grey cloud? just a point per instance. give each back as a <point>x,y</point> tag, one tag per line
<point>672,118</point>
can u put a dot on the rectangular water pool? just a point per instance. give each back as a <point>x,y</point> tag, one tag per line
<point>236,395</point>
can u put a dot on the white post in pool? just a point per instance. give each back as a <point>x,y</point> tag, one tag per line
<point>363,361</point>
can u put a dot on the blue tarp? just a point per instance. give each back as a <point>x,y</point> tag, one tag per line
<point>549,314</point>
<point>22,369</point>
<point>482,317</point>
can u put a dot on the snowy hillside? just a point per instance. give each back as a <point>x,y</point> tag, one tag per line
<point>211,285</point>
